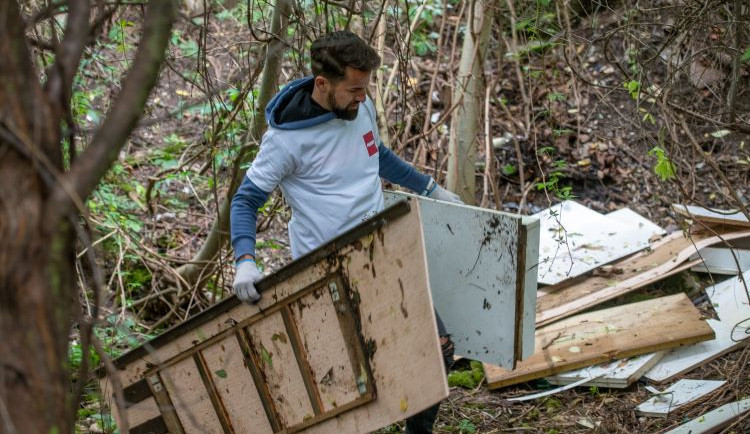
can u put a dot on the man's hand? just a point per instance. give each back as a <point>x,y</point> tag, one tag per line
<point>244,281</point>
<point>437,192</point>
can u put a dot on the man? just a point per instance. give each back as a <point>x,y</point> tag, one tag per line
<point>323,150</point>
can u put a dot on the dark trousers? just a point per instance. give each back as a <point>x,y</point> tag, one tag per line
<point>422,422</point>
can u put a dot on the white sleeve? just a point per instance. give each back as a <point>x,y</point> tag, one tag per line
<point>272,164</point>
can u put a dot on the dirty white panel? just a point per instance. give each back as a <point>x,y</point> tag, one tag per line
<point>574,239</point>
<point>644,228</point>
<point>680,393</point>
<point>712,215</point>
<point>684,359</point>
<point>473,256</point>
<point>714,420</point>
<point>730,300</point>
<point>616,374</point>
<point>721,260</point>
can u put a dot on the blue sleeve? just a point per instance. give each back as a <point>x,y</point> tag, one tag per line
<point>399,172</point>
<point>243,216</point>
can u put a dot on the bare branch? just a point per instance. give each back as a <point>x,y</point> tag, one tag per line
<point>114,131</point>
<point>60,74</point>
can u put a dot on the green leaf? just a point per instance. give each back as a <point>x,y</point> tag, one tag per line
<point>664,167</point>
<point>266,356</point>
<point>746,55</point>
<point>509,169</point>
<point>221,373</point>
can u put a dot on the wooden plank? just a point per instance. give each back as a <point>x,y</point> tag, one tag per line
<point>616,374</point>
<point>679,394</point>
<point>186,389</point>
<point>684,359</point>
<point>667,256</point>
<point>608,334</point>
<point>387,323</point>
<point>715,420</point>
<point>722,260</point>
<point>482,269</point>
<point>278,364</point>
<point>236,387</point>
<point>725,217</point>
<point>332,368</point>
<point>575,239</point>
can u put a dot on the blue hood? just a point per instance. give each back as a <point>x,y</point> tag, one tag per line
<point>279,102</point>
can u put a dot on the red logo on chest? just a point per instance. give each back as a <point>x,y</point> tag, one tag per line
<point>369,139</point>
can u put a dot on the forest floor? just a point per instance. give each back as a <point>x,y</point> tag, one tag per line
<point>605,160</point>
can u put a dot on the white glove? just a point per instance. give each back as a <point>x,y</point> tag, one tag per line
<point>434,191</point>
<point>244,281</point>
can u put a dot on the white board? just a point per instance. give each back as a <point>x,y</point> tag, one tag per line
<point>721,260</point>
<point>679,394</point>
<point>474,258</point>
<point>574,239</point>
<point>645,228</point>
<point>715,215</point>
<point>616,374</point>
<point>730,300</point>
<point>684,359</point>
<point>714,420</point>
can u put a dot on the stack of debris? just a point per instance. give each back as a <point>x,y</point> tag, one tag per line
<point>587,258</point>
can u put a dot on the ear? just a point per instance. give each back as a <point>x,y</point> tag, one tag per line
<point>321,82</point>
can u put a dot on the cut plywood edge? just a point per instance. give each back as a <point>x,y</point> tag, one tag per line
<point>727,217</point>
<point>574,239</point>
<point>722,260</point>
<point>616,374</point>
<point>644,228</point>
<point>684,359</point>
<point>667,256</point>
<point>679,394</point>
<point>605,335</point>
<point>714,420</point>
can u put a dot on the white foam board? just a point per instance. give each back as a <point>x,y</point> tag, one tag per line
<point>721,260</point>
<point>616,374</point>
<point>714,420</point>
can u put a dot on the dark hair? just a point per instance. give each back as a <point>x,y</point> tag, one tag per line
<point>332,53</point>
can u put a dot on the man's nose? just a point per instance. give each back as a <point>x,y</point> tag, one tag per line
<point>360,97</point>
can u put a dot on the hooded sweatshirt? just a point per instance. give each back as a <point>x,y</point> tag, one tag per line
<point>327,168</point>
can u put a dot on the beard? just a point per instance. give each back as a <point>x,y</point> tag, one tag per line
<point>341,113</point>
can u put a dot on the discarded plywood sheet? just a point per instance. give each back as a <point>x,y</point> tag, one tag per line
<point>726,217</point>
<point>644,228</point>
<point>667,256</point>
<point>574,239</point>
<point>482,268</point>
<point>604,335</point>
<point>616,374</point>
<point>342,340</point>
<point>684,359</point>
<point>681,393</point>
<point>715,420</point>
<point>722,260</point>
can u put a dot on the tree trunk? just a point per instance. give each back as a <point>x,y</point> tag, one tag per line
<point>203,264</point>
<point>39,204</point>
<point>468,92</point>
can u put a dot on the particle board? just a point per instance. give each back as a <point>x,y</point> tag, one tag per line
<point>332,346</point>
<point>726,217</point>
<point>715,420</point>
<point>665,257</point>
<point>605,335</point>
<point>679,394</point>
<point>616,374</point>
<point>482,267</point>
<point>574,239</point>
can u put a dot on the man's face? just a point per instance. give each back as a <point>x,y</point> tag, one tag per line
<point>345,96</point>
